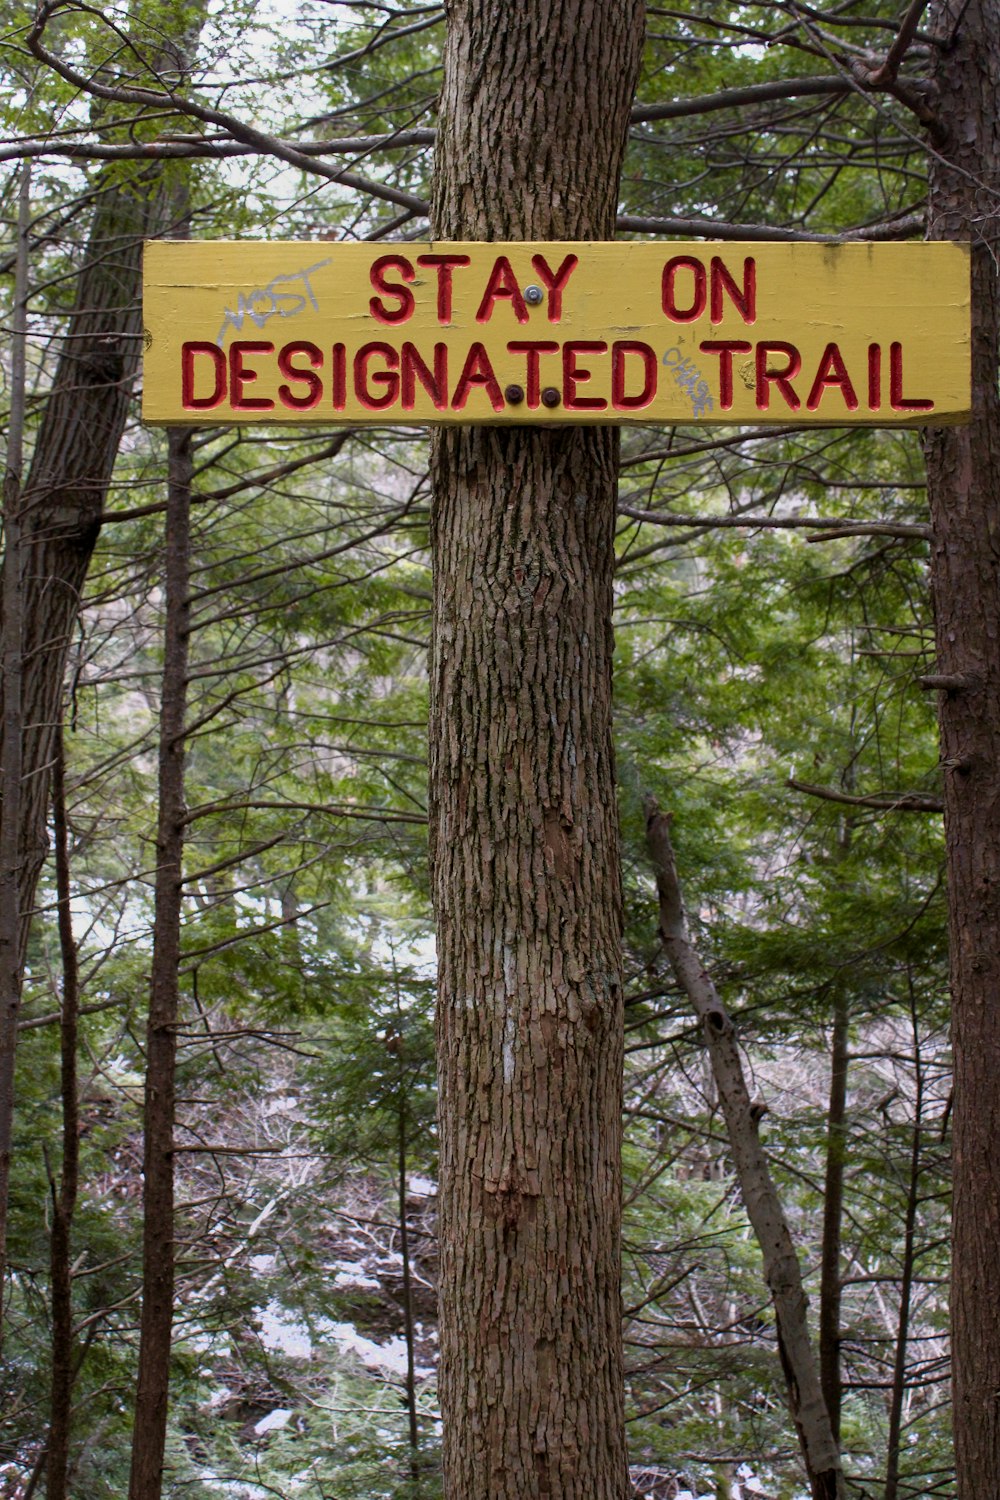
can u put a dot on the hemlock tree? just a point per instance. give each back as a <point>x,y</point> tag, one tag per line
<point>67,483</point>
<point>525,857</point>
<point>799,199</point>
<point>963,487</point>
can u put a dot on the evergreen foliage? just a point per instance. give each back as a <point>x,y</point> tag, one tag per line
<point>753,663</point>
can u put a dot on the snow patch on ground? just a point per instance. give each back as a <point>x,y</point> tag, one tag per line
<point>283,1334</point>
<point>356,1280</point>
<point>233,1489</point>
<point>219,1397</point>
<point>216,1345</point>
<point>389,1356</point>
<point>274,1421</point>
<point>282,1104</point>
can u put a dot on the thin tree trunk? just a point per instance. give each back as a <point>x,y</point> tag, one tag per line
<point>963,478</point>
<point>12,887</point>
<point>149,1433</point>
<point>64,1200</point>
<point>891,1491</point>
<point>830,1285</point>
<point>525,852</point>
<point>819,1448</point>
<point>404,1250</point>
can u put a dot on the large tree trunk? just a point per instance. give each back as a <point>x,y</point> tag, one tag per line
<point>12,719</point>
<point>61,506</point>
<point>963,474</point>
<point>525,840</point>
<point>62,501</point>
<point>70,473</point>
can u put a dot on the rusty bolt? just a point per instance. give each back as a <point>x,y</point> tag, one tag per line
<point>533,295</point>
<point>513,395</point>
<point>550,396</point>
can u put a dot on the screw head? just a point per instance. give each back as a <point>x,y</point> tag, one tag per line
<point>513,395</point>
<point>550,396</point>
<point>534,295</point>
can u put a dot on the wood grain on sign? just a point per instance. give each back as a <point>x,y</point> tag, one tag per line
<point>585,333</point>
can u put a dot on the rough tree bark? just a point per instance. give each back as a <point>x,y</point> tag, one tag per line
<point>12,720</point>
<point>62,501</point>
<point>820,1452</point>
<point>963,476</point>
<point>70,472</point>
<point>524,824</point>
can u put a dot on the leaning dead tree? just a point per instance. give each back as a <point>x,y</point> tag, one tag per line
<point>782,1272</point>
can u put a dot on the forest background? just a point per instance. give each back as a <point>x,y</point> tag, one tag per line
<point>773,623</point>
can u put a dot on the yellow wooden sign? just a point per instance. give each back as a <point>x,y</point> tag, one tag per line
<point>574,332</point>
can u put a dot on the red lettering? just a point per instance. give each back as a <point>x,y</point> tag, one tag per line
<point>725,349</point>
<point>832,371</point>
<point>874,377</point>
<point>338,377</point>
<point>312,382</point>
<point>532,349</point>
<point>403,295</point>
<point>189,400</point>
<point>477,370</point>
<point>502,283</point>
<point>554,281</point>
<point>745,300</point>
<point>241,375</point>
<point>412,368</point>
<point>684,314</point>
<point>897,400</point>
<point>620,400</point>
<point>574,374</point>
<point>444,265</point>
<point>782,378</point>
<point>387,378</point>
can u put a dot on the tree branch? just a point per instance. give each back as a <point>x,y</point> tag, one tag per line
<point>781,523</point>
<point>886,74</point>
<point>260,140</point>
<point>330,809</point>
<point>905,227</point>
<point>178,146</point>
<point>740,98</point>
<point>919,802</point>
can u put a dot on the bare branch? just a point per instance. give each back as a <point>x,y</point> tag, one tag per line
<point>907,31</point>
<point>330,809</point>
<point>905,227</point>
<point>179,146</point>
<point>918,802</point>
<point>754,93</point>
<point>782,523</point>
